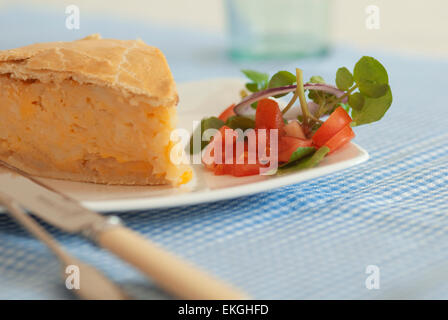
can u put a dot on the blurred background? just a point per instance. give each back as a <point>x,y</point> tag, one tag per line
<point>213,38</point>
<point>418,27</point>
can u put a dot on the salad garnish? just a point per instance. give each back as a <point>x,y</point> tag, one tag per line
<point>309,161</point>
<point>303,132</point>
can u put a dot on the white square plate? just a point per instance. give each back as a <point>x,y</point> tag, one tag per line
<point>197,100</point>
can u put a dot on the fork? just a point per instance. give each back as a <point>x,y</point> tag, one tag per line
<point>93,284</point>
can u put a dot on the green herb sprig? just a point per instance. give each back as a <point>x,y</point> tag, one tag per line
<point>366,90</point>
<point>306,161</point>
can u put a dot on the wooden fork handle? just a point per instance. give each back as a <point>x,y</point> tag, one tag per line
<point>171,273</point>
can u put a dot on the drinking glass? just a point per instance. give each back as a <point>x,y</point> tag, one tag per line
<point>277,28</point>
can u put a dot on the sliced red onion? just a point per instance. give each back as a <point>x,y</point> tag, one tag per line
<point>244,109</point>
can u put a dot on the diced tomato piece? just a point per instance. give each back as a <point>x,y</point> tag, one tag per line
<point>268,115</point>
<point>227,138</point>
<point>239,152</point>
<point>294,129</point>
<point>242,170</point>
<point>336,122</point>
<point>227,113</point>
<point>230,132</point>
<point>219,170</point>
<point>218,141</point>
<point>340,139</point>
<point>208,156</point>
<point>238,169</point>
<point>263,139</point>
<point>288,145</point>
<point>246,168</point>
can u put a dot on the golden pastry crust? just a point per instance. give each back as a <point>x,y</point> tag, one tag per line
<point>130,66</point>
<point>94,110</point>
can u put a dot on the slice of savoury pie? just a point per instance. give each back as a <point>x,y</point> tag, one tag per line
<point>94,110</point>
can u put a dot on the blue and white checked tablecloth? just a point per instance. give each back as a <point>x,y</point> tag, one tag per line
<point>309,240</point>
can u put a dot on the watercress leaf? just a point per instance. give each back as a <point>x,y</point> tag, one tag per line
<point>344,78</point>
<point>314,95</point>
<point>356,101</point>
<point>280,79</point>
<point>206,123</point>
<point>318,97</point>
<point>212,123</point>
<point>300,153</point>
<point>252,87</point>
<point>196,133</point>
<point>239,122</point>
<point>261,79</point>
<point>317,79</point>
<point>373,109</point>
<point>368,68</point>
<point>315,158</point>
<point>306,162</point>
<point>255,76</point>
<point>372,89</point>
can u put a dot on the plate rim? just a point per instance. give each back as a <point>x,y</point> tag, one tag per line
<point>233,192</point>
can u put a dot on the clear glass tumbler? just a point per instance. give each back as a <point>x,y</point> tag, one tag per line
<point>277,28</point>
